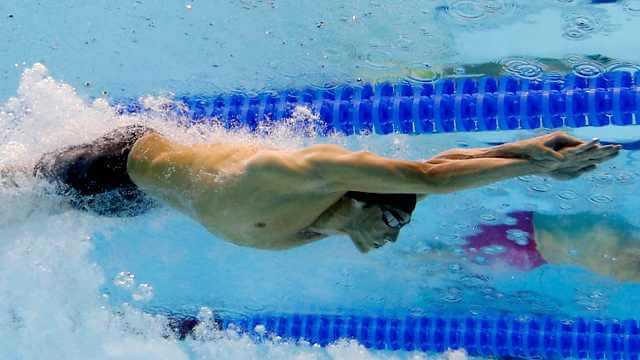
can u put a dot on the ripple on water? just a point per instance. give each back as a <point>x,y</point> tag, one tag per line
<point>565,206</point>
<point>540,187</point>
<point>582,23</point>
<point>588,69</point>
<point>478,12</point>
<point>623,66</point>
<point>624,178</point>
<point>522,67</point>
<point>453,295</point>
<point>378,59</point>
<point>600,199</point>
<point>467,10</point>
<point>632,7</point>
<point>567,195</point>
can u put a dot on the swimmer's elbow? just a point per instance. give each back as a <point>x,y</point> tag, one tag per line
<point>440,179</point>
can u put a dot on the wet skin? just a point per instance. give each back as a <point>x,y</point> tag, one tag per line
<point>277,199</point>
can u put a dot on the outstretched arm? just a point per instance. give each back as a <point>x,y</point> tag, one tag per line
<point>366,172</point>
<point>452,171</point>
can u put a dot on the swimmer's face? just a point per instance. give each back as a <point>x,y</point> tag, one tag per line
<point>371,227</point>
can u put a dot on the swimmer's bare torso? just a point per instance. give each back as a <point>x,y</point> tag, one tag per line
<point>277,199</point>
<point>230,190</point>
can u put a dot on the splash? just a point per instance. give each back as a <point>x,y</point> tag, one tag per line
<point>52,305</point>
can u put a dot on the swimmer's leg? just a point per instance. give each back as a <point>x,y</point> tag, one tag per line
<point>605,243</point>
<point>94,176</point>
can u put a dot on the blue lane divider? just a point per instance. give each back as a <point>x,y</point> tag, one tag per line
<point>525,337</point>
<point>446,105</point>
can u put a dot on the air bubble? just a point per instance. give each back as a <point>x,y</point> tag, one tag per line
<point>488,217</point>
<point>480,260</point>
<point>143,293</point>
<point>454,268</point>
<point>457,251</point>
<point>205,314</point>
<point>518,236</point>
<point>260,329</point>
<point>600,199</point>
<point>124,280</point>
<point>522,67</point>
<point>493,250</point>
<point>474,280</point>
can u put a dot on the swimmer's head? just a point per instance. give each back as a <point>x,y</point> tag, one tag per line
<point>370,220</point>
<point>373,226</point>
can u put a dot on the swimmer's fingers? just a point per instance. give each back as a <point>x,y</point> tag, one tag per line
<point>588,146</point>
<point>598,153</point>
<point>605,152</point>
<point>581,150</point>
<point>570,174</point>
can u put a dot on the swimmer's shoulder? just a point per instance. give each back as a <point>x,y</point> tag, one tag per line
<point>292,164</point>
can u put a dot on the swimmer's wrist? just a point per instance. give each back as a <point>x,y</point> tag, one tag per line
<point>509,150</point>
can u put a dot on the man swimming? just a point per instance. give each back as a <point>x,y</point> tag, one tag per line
<point>277,199</point>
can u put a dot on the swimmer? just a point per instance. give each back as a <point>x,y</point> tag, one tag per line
<point>275,199</point>
<point>608,244</point>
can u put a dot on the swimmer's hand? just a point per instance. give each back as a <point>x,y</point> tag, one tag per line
<point>560,155</point>
<point>542,148</point>
<point>583,158</point>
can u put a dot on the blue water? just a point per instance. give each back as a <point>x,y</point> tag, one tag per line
<point>78,286</point>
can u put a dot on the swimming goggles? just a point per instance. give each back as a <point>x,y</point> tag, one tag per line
<point>392,218</point>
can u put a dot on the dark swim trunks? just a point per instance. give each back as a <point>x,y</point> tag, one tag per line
<point>94,176</point>
<point>509,244</point>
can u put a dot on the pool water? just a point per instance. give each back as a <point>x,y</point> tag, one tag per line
<point>78,286</point>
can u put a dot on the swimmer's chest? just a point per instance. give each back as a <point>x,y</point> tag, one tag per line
<point>261,216</point>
